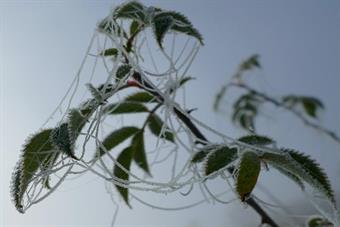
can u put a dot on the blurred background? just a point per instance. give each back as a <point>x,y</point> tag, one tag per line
<point>42,44</point>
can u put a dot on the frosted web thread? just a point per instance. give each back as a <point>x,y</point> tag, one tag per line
<point>183,174</point>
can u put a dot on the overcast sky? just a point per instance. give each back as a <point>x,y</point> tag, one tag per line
<point>42,44</point>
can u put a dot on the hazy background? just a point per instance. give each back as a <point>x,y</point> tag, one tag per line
<point>43,43</point>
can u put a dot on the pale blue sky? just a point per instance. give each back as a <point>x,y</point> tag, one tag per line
<point>42,44</point>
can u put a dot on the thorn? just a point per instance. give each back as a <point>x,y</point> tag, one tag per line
<point>191,110</point>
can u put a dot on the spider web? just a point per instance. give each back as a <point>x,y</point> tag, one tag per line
<point>163,69</point>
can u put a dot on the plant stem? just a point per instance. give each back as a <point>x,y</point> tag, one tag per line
<point>266,219</point>
<point>298,114</point>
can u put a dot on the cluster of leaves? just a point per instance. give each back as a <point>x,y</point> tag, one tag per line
<point>42,150</point>
<point>246,107</point>
<point>135,103</point>
<point>251,63</point>
<point>311,105</point>
<point>246,164</point>
<point>161,21</point>
<point>243,159</point>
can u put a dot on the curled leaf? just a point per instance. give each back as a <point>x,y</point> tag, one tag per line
<point>245,111</point>
<point>131,10</point>
<point>62,141</point>
<point>161,25</point>
<point>250,63</point>
<point>181,24</point>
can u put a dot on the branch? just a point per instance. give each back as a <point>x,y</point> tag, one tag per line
<point>266,219</point>
<point>298,114</point>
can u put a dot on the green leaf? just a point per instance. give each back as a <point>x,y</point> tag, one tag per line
<point>245,111</point>
<point>219,159</point>
<point>88,107</point>
<point>47,164</point>
<point>125,108</point>
<point>246,121</point>
<point>291,177</point>
<point>139,151</point>
<point>156,124</point>
<point>256,140</point>
<point>248,172</point>
<point>76,122</point>
<point>117,137</point>
<point>64,137</point>
<point>122,71</point>
<point>311,105</point>
<point>181,83</point>
<point>62,141</point>
<point>109,52</point>
<point>34,152</point>
<point>250,63</point>
<point>96,94</point>
<point>247,101</point>
<point>161,25</point>
<point>145,97</point>
<point>318,221</point>
<point>108,25</point>
<point>134,27</point>
<point>185,80</point>
<point>182,24</point>
<point>303,167</point>
<point>108,88</point>
<point>290,100</point>
<point>218,97</point>
<point>200,156</point>
<point>124,159</point>
<point>203,152</point>
<point>318,176</point>
<point>131,10</point>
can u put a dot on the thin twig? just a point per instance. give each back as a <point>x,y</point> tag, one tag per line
<point>266,219</point>
<point>298,114</point>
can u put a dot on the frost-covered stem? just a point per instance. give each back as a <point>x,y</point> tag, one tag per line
<point>178,113</point>
<point>266,219</point>
<point>298,114</point>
